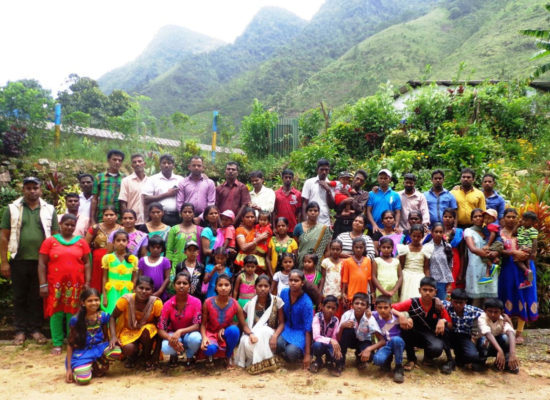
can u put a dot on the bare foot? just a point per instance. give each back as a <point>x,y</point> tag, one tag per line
<point>56,351</point>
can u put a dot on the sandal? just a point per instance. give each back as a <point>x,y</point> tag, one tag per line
<point>150,366</point>
<point>314,367</point>
<point>520,340</point>
<point>39,337</point>
<point>409,366</point>
<point>19,339</point>
<point>56,351</point>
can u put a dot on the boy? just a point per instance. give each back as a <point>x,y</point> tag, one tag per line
<point>343,191</point>
<point>356,329</point>
<point>491,231</point>
<point>527,241</point>
<point>381,200</point>
<point>499,338</point>
<point>325,331</point>
<point>389,326</point>
<point>428,330</point>
<point>228,230</point>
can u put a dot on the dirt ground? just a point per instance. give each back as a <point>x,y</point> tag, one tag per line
<point>31,371</point>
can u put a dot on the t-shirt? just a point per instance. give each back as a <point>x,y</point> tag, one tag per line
<point>282,281</point>
<point>212,282</point>
<point>526,236</point>
<point>287,206</point>
<point>389,329</point>
<point>229,233</point>
<point>382,201</point>
<point>357,276</point>
<point>364,328</point>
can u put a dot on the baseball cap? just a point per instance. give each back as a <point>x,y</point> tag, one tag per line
<point>492,212</point>
<point>191,243</point>
<point>385,171</point>
<point>32,179</point>
<point>229,214</point>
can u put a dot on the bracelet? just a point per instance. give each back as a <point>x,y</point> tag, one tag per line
<point>44,285</point>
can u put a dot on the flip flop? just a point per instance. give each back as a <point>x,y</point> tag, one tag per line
<point>39,337</point>
<point>56,351</point>
<point>409,366</point>
<point>19,339</point>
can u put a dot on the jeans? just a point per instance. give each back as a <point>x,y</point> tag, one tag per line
<point>465,350</point>
<point>441,290</point>
<point>395,347</point>
<point>27,303</point>
<point>322,349</point>
<point>288,351</point>
<point>191,342</point>
<point>433,345</point>
<point>349,340</point>
<point>231,336</point>
<point>489,351</point>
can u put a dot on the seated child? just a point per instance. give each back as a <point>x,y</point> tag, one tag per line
<point>325,332</point>
<point>343,190</point>
<point>498,338</point>
<point>491,231</point>
<point>527,236</point>
<point>262,226</point>
<point>228,218</point>
<point>356,330</point>
<point>428,331</point>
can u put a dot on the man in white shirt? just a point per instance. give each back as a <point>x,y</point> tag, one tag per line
<point>163,188</point>
<point>86,183</point>
<point>317,189</point>
<point>130,189</point>
<point>261,198</point>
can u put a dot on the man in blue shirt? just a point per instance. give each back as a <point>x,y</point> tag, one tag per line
<point>492,198</point>
<point>439,198</point>
<point>381,200</point>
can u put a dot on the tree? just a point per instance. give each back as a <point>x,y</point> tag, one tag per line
<point>543,43</point>
<point>255,130</point>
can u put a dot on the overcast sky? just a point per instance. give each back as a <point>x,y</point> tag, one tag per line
<point>48,40</point>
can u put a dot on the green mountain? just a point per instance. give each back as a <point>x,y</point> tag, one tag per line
<point>169,46</point>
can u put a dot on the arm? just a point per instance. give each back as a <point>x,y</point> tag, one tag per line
<point>87,270</point>
<point>375,279</point>
<point>150,198</point>
<point>244,325</point>
<point>68,369</point>
<point>42,270</point>
<point>426,266</point>
<point>123,204</point>
<point>274,286</point>
<point>307,351</point>
<point>205,246</point>
<point>534,249</point>
<point>165,283</point>
<point>513,361</point>
<point>103,291</point>
<point>112,328</point>
<point>322,281</point>
<point>248,246</point>
<point>397,219</point>
<point>500,359</point>
<point>399,280</point>
<point>237,287</point>
<point>305,202</point>
<point>472,247</point>
<point>375,227</point>
<point>4,239</point>
<point>381,342</point>
<point>280,327</point>
<point>93,210</point>
<point>205,341</point>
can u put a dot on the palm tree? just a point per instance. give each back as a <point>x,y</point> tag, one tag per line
<point>543,43</point>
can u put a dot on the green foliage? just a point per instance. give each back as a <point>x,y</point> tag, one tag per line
<point>78,118</point>
<point>428,109</point>
<point>327,147</point>
<point>255,130</point>
<point>310,124</point>
<point>24,102</point>
<point>543,43</point>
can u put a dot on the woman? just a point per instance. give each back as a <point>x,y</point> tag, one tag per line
<point>155,226</point>
<point>247,241</point>
<point>521,303</point>
<point>212,234</point>
<point>312,236</point>
<point>389,231</point>
<point>357,230</point>
<point>180,234</point>
<point>264,317</point>
<point>137,240</point>
<point>475,241</point>
<point>97,238</point>
<point>63,270</point>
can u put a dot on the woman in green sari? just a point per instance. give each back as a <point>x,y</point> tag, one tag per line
<point>312,237</point>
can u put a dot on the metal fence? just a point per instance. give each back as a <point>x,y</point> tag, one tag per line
<point>284,137</point>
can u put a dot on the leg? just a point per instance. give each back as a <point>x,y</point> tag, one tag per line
<point>383,356</point>
<point>20,286</point>
<point>318,349</point>
<point>114,354</point>
<point>347,340</point>
<point>56,328</point>
<point>231,336</point>
<point>83,374</point>
<point>398,346</point>
<point>34,302</point>
<point>411,341</point>
<point>167,349</point>
<point>441,290</point>
<point>519,331</point>
<point>191,343</point>
<point>433,345</point>
<point>211,350</point>
<point>288,351</point>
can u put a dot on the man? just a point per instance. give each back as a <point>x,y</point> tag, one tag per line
<point>381,200</point>
<point>288,201</point>
<point>261,197</point>
<point>467,198</point>
<point>438,198</point>
<point>86,183</point>
<point>25,224</point>
<point>412,200</point>
<point>107,187</point>
<point>130,189</point>
<point>196,188</point>
<point>232,194</point>
<point>317,189</point>
<point>356,201</point>
<point>163,188</point>
<point>492,198</point>
<point>72,201</point>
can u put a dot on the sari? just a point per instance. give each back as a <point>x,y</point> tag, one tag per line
<point>315,240</point>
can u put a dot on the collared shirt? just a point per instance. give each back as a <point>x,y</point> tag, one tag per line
<point>496,202</point>
<point>85,204</point>
<point>312,191</point>
<point>466,202</point>
<point>265,198</point>
<point>130,192</point>
<point>389,328</point>
<point>465,323</point>
<point>437,203</point>
<point>159,184</point>
<point>364,328</point>
<point>201,193</point>
<point>414,202</point>
<point>496,328</point>
<point>106,188</point>
<point>287,205</point>
<point>232,196</point>
<point>323,332</point>
<point>382,201</point>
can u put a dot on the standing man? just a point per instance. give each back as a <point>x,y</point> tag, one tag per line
<point>163,188</point>
<point>261,197</point>
<point>232,194</point>
<point>438,198</point>
<point>288,201</point>
<point>492,198</point>
<point>196,188</point>
<point>381,200</point>
<point>357,201</point>
<point>72,201</point>
<point>107,187</point>
<point>412,200</point>
<point>25,224</point>
<point>130,189</point>
<point>467,198</point>
<point>86,183</point>
<point>317,189</point>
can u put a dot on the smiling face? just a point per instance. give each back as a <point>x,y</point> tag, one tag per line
<point>128,220</point>
<point>92,303</point>
<point>477,218</point>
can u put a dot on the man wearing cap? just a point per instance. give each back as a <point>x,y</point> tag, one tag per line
<point>467,198</point>
<point>25,224</point>
<point>130,189</point>
<point>261,198</point>
<point>492,198</point>
<point>438,198</point>
<point>381,200</point>
<point>356,202</point>
<point>318,189</point>
<point>288,202</point>
<point>412,200</point>
<point>196,188</point>
<point>232,194</point>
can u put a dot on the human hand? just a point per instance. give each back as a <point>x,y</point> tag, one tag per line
<point>307,361</point>
<point>69,376</point>
<point>205,343</point>
<point>253,338</point>
<point>349,324</point>
<point>5,269</point>
<point>105,301</point>
<point>325,186</point>
<point>43,291</point>
<point>174,340</point>
<point>513,362</point>
<point>220,334</point>
<point>273,343</point>
<point>219,267</point>
<point>113,343</point>
<point>172,192</point>
<point>501,360</point>
<point>440,327</point>
<point>365,355</point>
<point>376,228</point>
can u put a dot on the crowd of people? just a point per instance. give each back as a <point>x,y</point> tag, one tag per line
<point>143,266</point>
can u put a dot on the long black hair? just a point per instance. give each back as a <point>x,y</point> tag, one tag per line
<point>77,337</point>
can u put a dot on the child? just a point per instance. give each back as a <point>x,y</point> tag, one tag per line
<point>287,263</point>
<point>414,264</point>
<point>527,236</point>
<point>387,276</point>
<point>244,285</point>
<point>491,231</point>
<point>194,267</point>
<point>228,217</point>
<point>263,227</point>
<point>454,236</point>
<point>119,272</point>
<point>325,332</point>
<point>331,271</point>
<point>356,272</point>
<point>343,190</point>
<point>88,349</point>
<point>440,254</point>
<point>498,338</point>
<point>428,330</point>
<point>356,330</point>
<point>310,272</point>
<point>214,270</point>
<point>389,326</point>
<point>279,244</point>
<point>156,267</point>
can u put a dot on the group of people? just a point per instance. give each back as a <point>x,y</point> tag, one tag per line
<point>142,266</point>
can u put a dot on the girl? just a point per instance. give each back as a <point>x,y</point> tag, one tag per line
<point>287,263</point>
<point>440,254</point>
<point>137,240</point>
<point>388,230</point>
<point>88,348</point>
<point>217,329</point>
<point>244,285</point>
<point>63,270</point>
<point>180,234</point>
<point>331,271</point>
<point>195,269</point>
<point>213,271</point>
<point>279,244</point>
<point>356,272</point>
<point>155,226</point>
<point>156,267</point>
<point>414,264</point>
<point>264,317</point>
<point>119,272</point>
<point>415,218</point>
<point>311,273</point>
<point>180,321</point>
<point>211,235</point>
<point>387,276</point>
<point>247,240</point>
<point>454,236</point>
<point>357,230</point>
<point>133,324</point>
<point>311,235</point>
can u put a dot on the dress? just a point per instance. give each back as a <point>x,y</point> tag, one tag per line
<point>155,271</point>
<point>249,236</point>
<point>282,281</point>
<point>314,278</point>
<point>175,244</point>
<point>316,239</point>
<point>162,233</point>
<point>211,291</point>
<point>218,319</point>
<point>333,278</point>
<point>65,273</point>
<point>413,272</point>
<point>99,249</point>
<point>215,241</point>
<point>387,275</point>
<point>477,269</point>
<point>246,289</point>
<point>455,241</point>
<point>277,248</point>
<point>136,240</point>
<point>298,319</point>
<point>171,319</point>
<point>96,342</point>
<point>130,327</point>
<point>119,279</point>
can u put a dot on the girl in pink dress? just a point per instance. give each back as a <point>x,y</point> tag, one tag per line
<point>244,285</point>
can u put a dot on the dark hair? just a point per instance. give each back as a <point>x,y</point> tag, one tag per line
<point>451,211</point>
<point>223,276</point>
<point>167,157</point>
<point>145,279</point>
<point>529,215</point>
<point>235,163</point>
<point>85,176</point>
<point>72,195</point>
<point>248,210</point>
<point>490,176</point>
<point>360,296</point>
<point>115,153</point>
<point>65,217</point>
<point>468,171</point>
<point>129,210</point>
<point>409,176</point>
<point>123,232</point>
<point>382,299</point>
<point>155,204</point>
<point>510,210</point>
<point>438,171</point>
<point>195,157</point>
<point>264,213</point>
<point>459,294</point>
<point>312,256</point>
<point>187,205</point>
<point>262,277</point>
<point>363,217</point>
<point>323,162</point>
<point>156,240</point>
<point>184,272</point>
<point>109,207</point>
<point>309,289</point>
<point>335,241</point>
<point>362,172</point>
<point>493,302</point>
<point>415,212</point>
<point>77,335</point>
<point>204,221</point>
<point>312,204</point>
<point>474,211</point>
<point>256,174</point>
<point>386,212</point>
<point>220,251</point>
<point>385,240</point>
<point>437,225</point>
<point>136,155</point>
<point>250,259</point>
<point>287,171</point>
<point>281,219</point>
<point>359,240</point>
<point>447,248</point>
<point>281,257</point>
<point>428,281</point>
<point>330,299</point>
<point>416,227</point>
